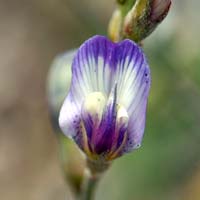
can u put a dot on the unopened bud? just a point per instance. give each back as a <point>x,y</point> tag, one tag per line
<point>144,17</point>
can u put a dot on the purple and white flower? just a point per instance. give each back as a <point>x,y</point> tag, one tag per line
<point>105,110</point>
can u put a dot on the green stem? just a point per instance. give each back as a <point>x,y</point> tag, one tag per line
<point>93,173</point>
<point>89,186</point>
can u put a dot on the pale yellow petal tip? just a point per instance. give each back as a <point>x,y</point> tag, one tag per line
<point>122,115</point>
<point>95,103</point>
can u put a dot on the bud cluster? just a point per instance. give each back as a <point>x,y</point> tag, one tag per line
<point>140,20</point>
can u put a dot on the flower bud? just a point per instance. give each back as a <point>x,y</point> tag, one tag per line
<point>58,82</point>
<point>144,17</point>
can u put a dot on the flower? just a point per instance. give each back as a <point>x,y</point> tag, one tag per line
<point>105,110</point>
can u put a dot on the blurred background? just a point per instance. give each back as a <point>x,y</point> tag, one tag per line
<point>166,167</point>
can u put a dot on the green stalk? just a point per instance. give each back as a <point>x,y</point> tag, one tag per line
<point>89,186</point>
<point>93,173</point>
<point>125,6</point>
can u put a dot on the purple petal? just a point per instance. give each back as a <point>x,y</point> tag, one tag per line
<point>104,137</point>
<point>133,78</point>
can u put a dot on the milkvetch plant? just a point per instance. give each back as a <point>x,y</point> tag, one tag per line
<point>104,111</point>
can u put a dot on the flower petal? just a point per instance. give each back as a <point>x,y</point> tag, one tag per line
<point>91,72</point>
<point>92,69</point>
<point>133,78</point>
<point>69,118</point>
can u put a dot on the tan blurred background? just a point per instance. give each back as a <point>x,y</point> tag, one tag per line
<point>32,32</point>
